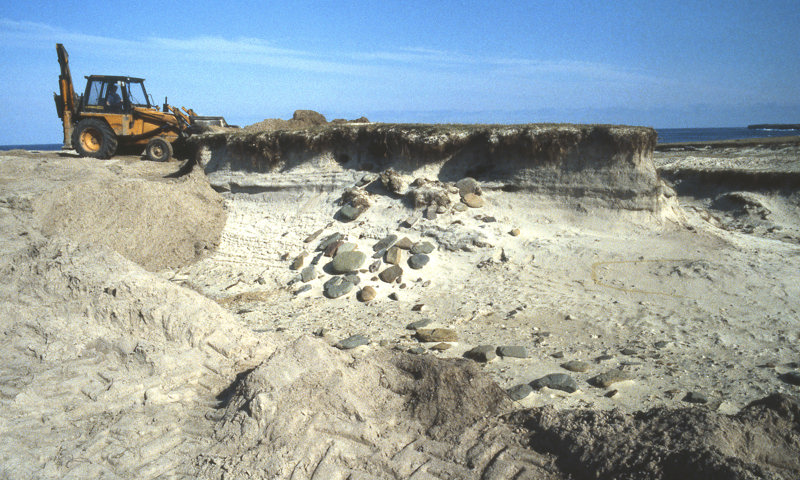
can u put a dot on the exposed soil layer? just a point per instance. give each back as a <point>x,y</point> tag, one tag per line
<point>601,163</point>
<point>761,441</point>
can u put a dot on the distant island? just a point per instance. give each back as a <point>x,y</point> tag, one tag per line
<point>775,126</point>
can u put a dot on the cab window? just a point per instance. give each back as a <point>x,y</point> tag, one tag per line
<point>137,95</point>
<point>97,93</point>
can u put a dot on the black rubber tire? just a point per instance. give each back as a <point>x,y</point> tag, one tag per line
<point>94,138</point>
<point>158,150</point>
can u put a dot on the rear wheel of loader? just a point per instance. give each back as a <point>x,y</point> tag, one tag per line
<point>94,138</point>
<point>158,150</point>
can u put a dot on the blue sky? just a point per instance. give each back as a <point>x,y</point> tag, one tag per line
<point>661,64</point>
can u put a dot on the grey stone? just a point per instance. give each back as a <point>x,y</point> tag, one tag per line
<point>557,381</point>
<point>352,342</point>
<point>437,335</point>
<point>791,377</point>
<point>374,266</point>
<point>309,273</point>
<point>302,289</point>
<point>468,185</point>
<point>459,207</point>
<point>558,355</point>
<point>430,213</point>
<point>418,350</point>
<point>419,324</point>
<point>367,294</point>
<point>519,392</point>
<point>412,220</point>
<point>394,296</point>
<point>575,366</point>
<point>332,238</point>
<point>422,247</point>
<point>418,261</point>
<point>695,397</point>
<point>393,256</point>
<point>336,287</point>
<point>516,351</point>
<point>606,379</point>
<point>391,274</point>
<point>348,261</point>
<point>628,351</point>
<point>349,213</point>
<point>384,243</point>
<point>481,353</point>
<point>353,278</point>
<point>347,247</point>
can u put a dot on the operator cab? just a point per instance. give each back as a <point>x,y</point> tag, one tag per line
<point>109,94</point>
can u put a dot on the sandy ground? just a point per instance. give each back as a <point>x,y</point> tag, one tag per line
<point>121,361</point>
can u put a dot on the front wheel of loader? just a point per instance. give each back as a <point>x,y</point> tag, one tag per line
<point>158,150</point>
<point>94,138</point>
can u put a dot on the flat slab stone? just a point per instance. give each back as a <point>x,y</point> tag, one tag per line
<point>350,261</point>
<point>437,335</point>
<point>422,247</point>
<point>575,366</point>
<point>349,213</point>
<point>419,324</point>
<point>418,261</point>
<point>325,242</point>
<point>519,392</point>
<point>516,351</point>
<point>352,342</point>
<point>606,379</point>
<point>336,287</point>
<point>556,381</point>
<point>313,236</point>
<point>472,200</point>
<point>384,243</point>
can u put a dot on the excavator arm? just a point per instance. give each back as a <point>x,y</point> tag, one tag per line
<point>66,100</point>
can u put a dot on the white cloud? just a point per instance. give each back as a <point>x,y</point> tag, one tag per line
<point>405,62</point>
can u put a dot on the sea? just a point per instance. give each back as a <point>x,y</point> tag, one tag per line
<point>665,135</point>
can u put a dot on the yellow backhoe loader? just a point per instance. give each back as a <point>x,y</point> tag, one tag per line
<point>115,111</point>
